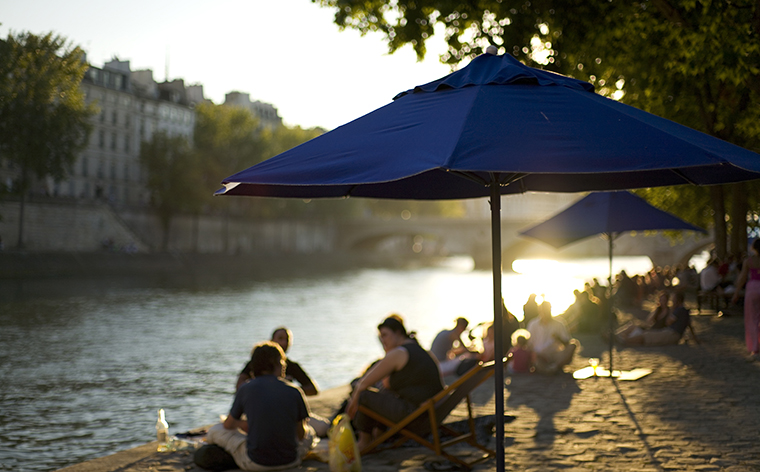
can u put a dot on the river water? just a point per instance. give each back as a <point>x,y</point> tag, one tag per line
<point>85,364</point>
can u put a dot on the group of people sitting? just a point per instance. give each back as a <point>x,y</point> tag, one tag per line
<point>270,426</point>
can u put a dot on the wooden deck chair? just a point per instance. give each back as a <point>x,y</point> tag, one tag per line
<point>428,418</point>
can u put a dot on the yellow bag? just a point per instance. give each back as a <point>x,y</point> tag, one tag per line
<point>343,451</point>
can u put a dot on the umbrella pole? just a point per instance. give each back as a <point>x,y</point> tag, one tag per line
<point>497,320</point>
<point>611,236</point>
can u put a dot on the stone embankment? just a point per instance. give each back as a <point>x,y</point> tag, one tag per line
<point>698,410</point>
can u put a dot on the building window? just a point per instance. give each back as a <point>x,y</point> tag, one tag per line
<point>84,167</point>
<point>115,117</point>
<point>118,81</point>
<point>126,143</point>
<point>113,140</point>
<point>102,115</point>
<point>126,173</point>
<point>127,121</point>
<point>101,139</point>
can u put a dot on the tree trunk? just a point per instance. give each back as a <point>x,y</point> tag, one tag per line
<point>22,185</point>
<point>196,224</point>
<point>738,219</point>
<point>165,224</point>
<point>719,220</point>
<point>20,243</point>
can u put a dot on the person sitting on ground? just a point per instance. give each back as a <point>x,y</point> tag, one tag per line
<point>530,309</point>
<point>284,338</point>
<point>465,362</point>
<point>276,434</point>
<point>590,318</point>
<point>443,347</point>
<point>520,357</point>
<point>572,314</point>
<point>410,375</point>
<point>675,324</point>
<point>550,341</point>
<point>659,316</point>
<point>657,319</point>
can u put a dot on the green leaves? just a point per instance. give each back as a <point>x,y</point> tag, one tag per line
<point>43,116</point>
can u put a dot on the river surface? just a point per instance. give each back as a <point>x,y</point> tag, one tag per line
<point>85,364</point>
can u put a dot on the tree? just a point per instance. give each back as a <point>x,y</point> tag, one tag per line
<point>43,115</point>
<point>174,178</point>
<point>696,62</point>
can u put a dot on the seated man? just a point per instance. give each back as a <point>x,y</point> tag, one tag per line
<point>675,324</point>
<point>550,341</point>
<point>444,341</point>
<point>710,279</point>
<point>278,436</point>
<point>284,337</point>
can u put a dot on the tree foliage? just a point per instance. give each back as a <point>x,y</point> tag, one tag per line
<point>43,115</point>
<point>174,178</point>
<point>226,140</point>
<point>696,62</point>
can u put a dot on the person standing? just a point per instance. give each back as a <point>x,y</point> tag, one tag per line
<point>750,275</point>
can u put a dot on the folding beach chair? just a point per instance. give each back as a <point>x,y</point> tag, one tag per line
<point>428,418</point>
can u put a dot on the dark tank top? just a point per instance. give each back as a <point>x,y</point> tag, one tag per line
<point>419,379</point>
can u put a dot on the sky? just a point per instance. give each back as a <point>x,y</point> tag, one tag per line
<point>285,52</point>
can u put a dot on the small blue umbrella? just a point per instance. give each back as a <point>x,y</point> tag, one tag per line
<point>496,127</point>
<point>607,213</point>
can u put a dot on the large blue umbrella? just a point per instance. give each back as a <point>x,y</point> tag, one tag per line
<point>607,213</point>
<point>496,127</point>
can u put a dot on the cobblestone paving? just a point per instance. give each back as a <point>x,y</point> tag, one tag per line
<point>699,410</point>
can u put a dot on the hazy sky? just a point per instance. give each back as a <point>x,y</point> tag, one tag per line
<point>285,52</point>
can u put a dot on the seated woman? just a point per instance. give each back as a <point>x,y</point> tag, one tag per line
<point>675,324</point>
<point>409,373</point>
<point>657,319</point>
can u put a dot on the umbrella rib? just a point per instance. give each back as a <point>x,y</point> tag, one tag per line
<point>471,176</point>
<point>514,177</point>
<point>680,174</point>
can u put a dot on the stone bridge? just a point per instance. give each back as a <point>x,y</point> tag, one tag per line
<point>472,237</point>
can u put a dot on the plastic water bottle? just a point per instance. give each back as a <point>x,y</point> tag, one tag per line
<point>162,431</point>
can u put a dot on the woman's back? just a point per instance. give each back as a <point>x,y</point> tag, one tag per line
<point>419,379</point>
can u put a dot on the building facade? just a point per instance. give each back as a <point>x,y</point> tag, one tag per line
<point>131,107</point>
<point>266,113</point>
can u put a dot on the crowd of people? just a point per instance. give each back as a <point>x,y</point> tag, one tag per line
<point>270,426</point>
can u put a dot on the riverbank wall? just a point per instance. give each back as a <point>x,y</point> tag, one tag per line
<point>30,265</point>
<point>60,225</point>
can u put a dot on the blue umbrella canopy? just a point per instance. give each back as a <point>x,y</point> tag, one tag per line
<point>608,213</point>
<point>496,127</point>
<point>541,131</point>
